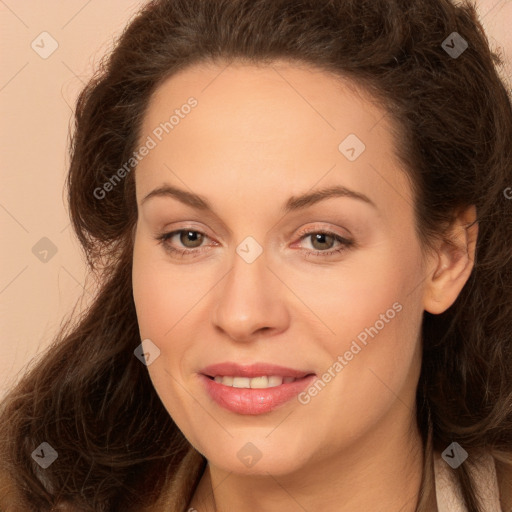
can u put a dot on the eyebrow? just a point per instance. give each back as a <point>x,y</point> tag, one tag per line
<point>294,203</point>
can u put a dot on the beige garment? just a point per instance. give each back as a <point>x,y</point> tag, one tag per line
<point>448,495</point>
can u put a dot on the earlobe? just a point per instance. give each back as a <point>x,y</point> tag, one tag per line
<point>452,263</point>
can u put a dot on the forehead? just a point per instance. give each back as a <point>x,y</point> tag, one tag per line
<point>259,100</point>
<point>266,128</point>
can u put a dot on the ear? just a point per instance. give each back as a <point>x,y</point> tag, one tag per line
<point>452,262</point>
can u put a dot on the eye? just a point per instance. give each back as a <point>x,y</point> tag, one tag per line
<point>190,238</point>
<point>321,238</point>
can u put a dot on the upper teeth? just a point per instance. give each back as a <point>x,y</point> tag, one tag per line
<point>256,382</point>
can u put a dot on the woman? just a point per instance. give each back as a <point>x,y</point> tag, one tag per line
<point>230,353</point>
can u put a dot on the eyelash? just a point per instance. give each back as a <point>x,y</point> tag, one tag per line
<point>163,239</point>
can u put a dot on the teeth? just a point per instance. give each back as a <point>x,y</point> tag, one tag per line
<point>254,383</point>
<point>241,382</point>
<point>257,383</point>
<point>274,380</point>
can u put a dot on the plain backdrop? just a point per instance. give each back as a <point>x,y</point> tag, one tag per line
<point>49,51</point>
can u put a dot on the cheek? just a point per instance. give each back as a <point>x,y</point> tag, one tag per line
<point>365,291</point>
<point>381,333</point>
<point>168,302</point>
<point>162,300</point>
<point>375,311</point>
<point>375,298</point>
<point>162,294</point>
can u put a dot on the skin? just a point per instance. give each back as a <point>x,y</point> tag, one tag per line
<point>259,135</point>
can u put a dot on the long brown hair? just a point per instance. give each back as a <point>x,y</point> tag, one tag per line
<point>91,399</point>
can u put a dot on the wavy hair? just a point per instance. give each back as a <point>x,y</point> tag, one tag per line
<point>92,400</point>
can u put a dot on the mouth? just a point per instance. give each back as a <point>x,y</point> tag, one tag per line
<point>254,395</point>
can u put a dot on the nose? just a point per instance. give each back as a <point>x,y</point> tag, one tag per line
<point>250,301</point>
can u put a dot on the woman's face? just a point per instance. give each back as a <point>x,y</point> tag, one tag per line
<point>263,277</point>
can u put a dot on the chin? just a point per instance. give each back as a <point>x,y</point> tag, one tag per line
<point>250,461</point>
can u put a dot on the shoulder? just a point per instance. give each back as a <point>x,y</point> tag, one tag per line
<point>493,481</point>
<point>504,476</point>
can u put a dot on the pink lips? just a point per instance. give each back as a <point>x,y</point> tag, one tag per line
<point>253,401</point>
<point>252,370</point>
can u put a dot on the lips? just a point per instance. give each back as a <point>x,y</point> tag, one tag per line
<point>231,369</point>
<point>254,401</point>
<point>251,400</point>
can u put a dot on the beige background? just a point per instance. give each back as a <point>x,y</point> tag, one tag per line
<point>36,99</point>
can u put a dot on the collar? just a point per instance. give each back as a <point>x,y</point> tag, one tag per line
<point>449,498</point>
